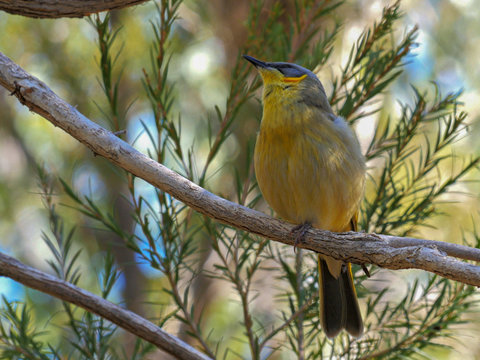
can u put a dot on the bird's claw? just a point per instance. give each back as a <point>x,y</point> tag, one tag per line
<point>300,231</point>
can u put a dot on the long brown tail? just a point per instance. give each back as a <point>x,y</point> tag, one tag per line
<point>338,301</point>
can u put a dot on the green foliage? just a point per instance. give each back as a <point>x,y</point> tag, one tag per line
<point>410,185</point>
<point>185,250</point>
<point>19,336</point>
<point>425,315</point>
<point>374,62</point>
<point>87,336</point>
<point>110,83</point>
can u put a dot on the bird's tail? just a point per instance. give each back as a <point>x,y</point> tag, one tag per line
<point>338,298</point>
<point>338,301</point>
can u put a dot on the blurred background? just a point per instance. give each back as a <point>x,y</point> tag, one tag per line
<point>64,54</point>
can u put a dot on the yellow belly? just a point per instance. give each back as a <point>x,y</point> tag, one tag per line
<point>310,173</point>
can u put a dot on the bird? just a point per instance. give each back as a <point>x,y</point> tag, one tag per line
<point>311,171</point>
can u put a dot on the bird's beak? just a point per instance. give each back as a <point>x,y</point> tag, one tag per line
<point>267,72</point>
<point>257,63</point>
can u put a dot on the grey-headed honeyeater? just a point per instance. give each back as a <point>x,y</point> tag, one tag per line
<point>310,170</point>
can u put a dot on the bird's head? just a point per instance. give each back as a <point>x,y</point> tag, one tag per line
<point>283,81</point>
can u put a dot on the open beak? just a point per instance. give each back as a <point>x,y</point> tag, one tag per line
<point>257,63</point>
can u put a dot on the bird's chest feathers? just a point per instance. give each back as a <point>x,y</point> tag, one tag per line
<point>287,157</point>
<point>302,168</point>
<point>290,143</point>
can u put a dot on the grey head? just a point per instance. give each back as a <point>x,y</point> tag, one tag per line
<point>313,94</point>
<point>287,69</point>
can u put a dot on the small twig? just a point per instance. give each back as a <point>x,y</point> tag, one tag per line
<point>16,92</point>
<point>243,288</point>
<point>252,340</point>
<point>287,322</point>
<point>300,334</point>
<point>126,319</point>
<point>119,132</point>
<point>305,32</point>
<point>394,63</point>
<point>187,316</point>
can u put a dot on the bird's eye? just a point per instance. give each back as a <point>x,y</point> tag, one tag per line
<point>287,87</point>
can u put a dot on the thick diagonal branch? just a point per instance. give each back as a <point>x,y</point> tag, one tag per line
<point>126,319</point>
<point>385,251</point>
<point>51,9</point>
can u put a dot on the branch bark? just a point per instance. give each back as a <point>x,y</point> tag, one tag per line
<point>127,320</point>
<point>54,9</point>
<point>385,251</point>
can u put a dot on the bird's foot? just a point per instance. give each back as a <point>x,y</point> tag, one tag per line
<point>300,231</point>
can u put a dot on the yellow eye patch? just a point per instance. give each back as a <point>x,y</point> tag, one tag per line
<point>294,79</point>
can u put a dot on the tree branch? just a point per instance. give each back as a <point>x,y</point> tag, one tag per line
<point>127,320</point>
<point>53,9</point>
<point>385,251</point>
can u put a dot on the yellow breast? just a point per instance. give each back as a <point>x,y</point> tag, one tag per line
<point>308,167</point>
